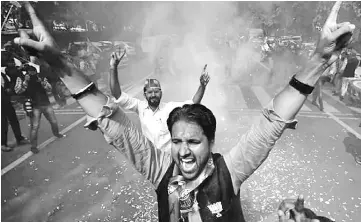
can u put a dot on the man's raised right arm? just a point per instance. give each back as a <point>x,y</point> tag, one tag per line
<point>114,85</point>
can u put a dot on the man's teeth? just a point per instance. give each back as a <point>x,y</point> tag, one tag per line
<point>188,164</point>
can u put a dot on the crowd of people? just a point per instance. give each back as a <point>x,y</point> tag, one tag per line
<point>337,75</point>
<point>30,85</point>
<point>173,150</point>
<point>29,81</point>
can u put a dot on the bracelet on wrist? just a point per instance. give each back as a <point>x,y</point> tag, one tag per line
<point>87,89</point>
<point>300,86</point>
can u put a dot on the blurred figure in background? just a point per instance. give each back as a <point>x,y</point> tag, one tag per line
<point>341,63</point>
<point>349,72</point>
<point>87,65</point>
<point>8,114</point>
<point>55,82</point>
<point>268,47</point>
<point>159,67</point>
<point>317,92</point>
<point>35,89</point>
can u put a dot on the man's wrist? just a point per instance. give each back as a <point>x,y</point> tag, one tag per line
<point>73,78</point>
<point>317,57</point>
<point>313,70</point>
<point>114,67</point>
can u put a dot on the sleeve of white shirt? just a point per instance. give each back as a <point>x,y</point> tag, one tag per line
<point>127,102</point>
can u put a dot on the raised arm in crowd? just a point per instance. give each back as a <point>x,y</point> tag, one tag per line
<point>114,84</point>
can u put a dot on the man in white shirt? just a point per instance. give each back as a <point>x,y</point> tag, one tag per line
<point>153,113</point>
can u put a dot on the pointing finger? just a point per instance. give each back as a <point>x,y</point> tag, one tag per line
<point>333,14</point>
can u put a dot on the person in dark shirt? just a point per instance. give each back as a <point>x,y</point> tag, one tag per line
<point>8,114</point>
<point>35,88</point>
<point>55,82</point>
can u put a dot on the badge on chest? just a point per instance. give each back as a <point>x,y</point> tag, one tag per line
<point>216,208</point>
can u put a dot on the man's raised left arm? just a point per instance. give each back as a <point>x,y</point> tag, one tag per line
<point>255,145</point>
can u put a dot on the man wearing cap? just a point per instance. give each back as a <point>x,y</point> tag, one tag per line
<point>152,113</point>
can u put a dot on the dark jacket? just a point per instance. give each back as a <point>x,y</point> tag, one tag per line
<point>218,187</point>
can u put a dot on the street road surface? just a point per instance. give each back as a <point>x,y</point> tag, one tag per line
<point>81,178</point>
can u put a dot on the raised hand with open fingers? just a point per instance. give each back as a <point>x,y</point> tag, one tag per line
<point>333,36</point>
<point>116,57</point>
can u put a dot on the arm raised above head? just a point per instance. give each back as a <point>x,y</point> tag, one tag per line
<point>255,145</point>
<point>103,113</point>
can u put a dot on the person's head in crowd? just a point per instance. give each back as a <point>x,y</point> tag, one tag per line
<point>72,49</point>
<point>30,70</point>
<point>152,92</point>
<point>10,46</point>
<point>8,62</point>
<point>192,128</point>
<point>83,52</point>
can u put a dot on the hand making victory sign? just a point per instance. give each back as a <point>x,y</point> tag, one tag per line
<point>116,57</point>
<point>333,36</point>
<point>45,44</point>
<point>45,48</point>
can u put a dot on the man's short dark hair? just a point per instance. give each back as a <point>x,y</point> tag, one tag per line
<point>29,68</point>
<point>195,113</point>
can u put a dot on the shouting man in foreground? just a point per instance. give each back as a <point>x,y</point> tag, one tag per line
<point>192,183</point>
